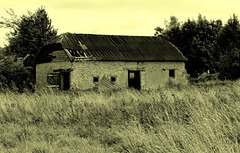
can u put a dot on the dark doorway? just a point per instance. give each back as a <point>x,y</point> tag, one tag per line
<point>65,80</point>
<point>134,79</point>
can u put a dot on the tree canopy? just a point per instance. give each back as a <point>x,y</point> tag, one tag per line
<point>208,45</point>
<point>228,49</point>
<point>28,32</point>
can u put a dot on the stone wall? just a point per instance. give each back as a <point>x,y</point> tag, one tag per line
<point>44,68</point>
<point>152,74</point>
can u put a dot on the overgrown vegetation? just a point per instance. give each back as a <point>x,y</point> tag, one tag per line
<point>28,33</point>
<point>203,117</point>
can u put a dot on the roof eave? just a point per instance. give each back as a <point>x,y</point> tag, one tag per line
<point>94,59</point>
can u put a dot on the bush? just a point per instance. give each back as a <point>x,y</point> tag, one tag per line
<point>13,74</point>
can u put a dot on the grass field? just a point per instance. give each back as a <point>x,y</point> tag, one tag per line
<point>203,117</point>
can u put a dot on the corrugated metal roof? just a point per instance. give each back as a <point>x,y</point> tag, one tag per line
<point>120,48</point>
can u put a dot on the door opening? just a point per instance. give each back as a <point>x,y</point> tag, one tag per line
<point>65,80</point>
<point>134,79</point>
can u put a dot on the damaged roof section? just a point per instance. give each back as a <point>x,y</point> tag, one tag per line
<point>116,47</point>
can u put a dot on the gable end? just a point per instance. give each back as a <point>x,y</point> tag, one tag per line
<point>52,53</point>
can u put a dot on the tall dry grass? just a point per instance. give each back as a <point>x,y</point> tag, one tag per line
<point>204,117</point>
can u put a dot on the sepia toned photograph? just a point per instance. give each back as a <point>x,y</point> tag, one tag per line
<point>119,76</point>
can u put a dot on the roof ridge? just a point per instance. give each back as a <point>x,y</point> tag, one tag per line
<point>99,34</point>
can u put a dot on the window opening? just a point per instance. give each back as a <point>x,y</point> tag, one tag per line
<point>172,73</point>
<point>113,79</point>
<point>53,79</point>
<point>131,75</point>
<point>95,79</point>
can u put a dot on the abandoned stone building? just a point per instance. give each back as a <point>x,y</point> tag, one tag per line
<point>90,61</point>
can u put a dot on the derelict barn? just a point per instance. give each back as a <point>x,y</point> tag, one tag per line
<point>88,61</point>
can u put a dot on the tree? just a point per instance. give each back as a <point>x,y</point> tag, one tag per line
<point>28,32</point>
<point>228,49</point>
<point>13,74</point>
<point>202,45</point>
<point>172,31</point>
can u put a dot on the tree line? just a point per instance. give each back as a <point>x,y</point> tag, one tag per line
<point>209,45</point>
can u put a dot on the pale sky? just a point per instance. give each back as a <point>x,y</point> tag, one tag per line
<point>120,17</point>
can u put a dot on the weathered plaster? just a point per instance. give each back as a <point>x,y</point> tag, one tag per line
<point>152,74</point>
<point>44,68</point>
